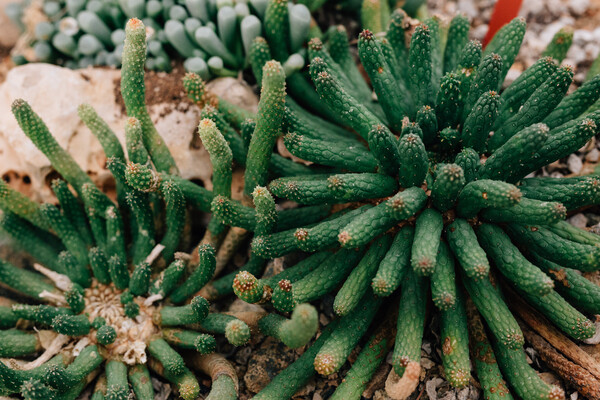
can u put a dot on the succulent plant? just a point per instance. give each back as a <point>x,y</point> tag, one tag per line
<point>434,192</point>
<point>108,291</point>
<point>375,14</point>
<point>213,38</point>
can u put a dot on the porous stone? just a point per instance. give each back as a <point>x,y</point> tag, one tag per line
<point>55,93</point>
<point>579,220</point>
<point>575,164</point>
<point>235,91</point>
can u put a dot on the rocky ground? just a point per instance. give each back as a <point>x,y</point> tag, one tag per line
<point>259,361</point>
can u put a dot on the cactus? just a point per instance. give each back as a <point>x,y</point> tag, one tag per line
<point>436,134</point>
<point>212,39</point>
<point>108,280</point>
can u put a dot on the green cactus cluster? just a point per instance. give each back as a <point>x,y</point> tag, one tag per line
<point>435,196</point>
<point>419,184</point>
<point>212,37</point>
<point>108,295</point>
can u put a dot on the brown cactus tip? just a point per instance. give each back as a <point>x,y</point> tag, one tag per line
<point>324,364</point>
<point>344,237</point>
<point>366,34</point>
<point>285,285</point>
<point>301,234</point>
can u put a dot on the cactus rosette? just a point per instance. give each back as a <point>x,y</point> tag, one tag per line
<point>435,198</point>
<point>109,299</point>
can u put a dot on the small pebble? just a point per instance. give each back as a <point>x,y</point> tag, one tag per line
<point>531,354</point>
<point>575,164</point>
<point>578,7</point>
<point>479,32</point>
<point>431,387</point>
<point>323,320</point>
<point>595,229</point>
<point>578,220</point>
<point>389,358</point>
<point>550,378</point>
<point>593,155</point>
<point>582,36</point>
<point>381,395</point>
<point>426,347</point>
<point>449,396</point>
<point>463,394</point>
<point>242,355</point>
<point>427,363</point>
<point>513,73</point>
<point>574,396</point>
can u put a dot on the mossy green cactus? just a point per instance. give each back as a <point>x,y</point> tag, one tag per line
<point>109,282</point>
<point>436,199</point>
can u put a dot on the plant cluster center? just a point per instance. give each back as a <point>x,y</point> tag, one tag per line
<point>132,333</point>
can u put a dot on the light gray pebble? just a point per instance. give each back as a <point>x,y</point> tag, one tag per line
<point>578,7</point>
<point>575,164</point>
<point>593,155</point>
<point>578,220</point>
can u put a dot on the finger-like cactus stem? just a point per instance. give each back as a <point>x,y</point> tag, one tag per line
<point>294,332</point>
<point>192,313</point>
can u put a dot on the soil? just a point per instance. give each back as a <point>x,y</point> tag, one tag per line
<point>161,88</point>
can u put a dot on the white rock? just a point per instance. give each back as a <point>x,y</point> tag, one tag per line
<point>55,93</point>
<point>578,220</point>
<point>593,155</point>
<point>591,49</point>
<point>531,354</point>
<point>234,91</point>
<point>578,78</point>
<point>426,347</point>
<point>550,30</point>
<point>479,32</point>
<point>575,56</point>
<point>468,7</point>
<point>463,394</point>
<point>567,20</point>
<point>451,395</point>
<point>427,363</point>
<point>531,7</point>
<point>582,36</point>
<point>574,163</point>
<point>578,7</point>
<point>574,396</point>
<point>513,73</point>
<point>554,7</point>
<point>431,387</point>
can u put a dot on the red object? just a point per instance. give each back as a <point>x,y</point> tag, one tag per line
<point>504,12</point>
